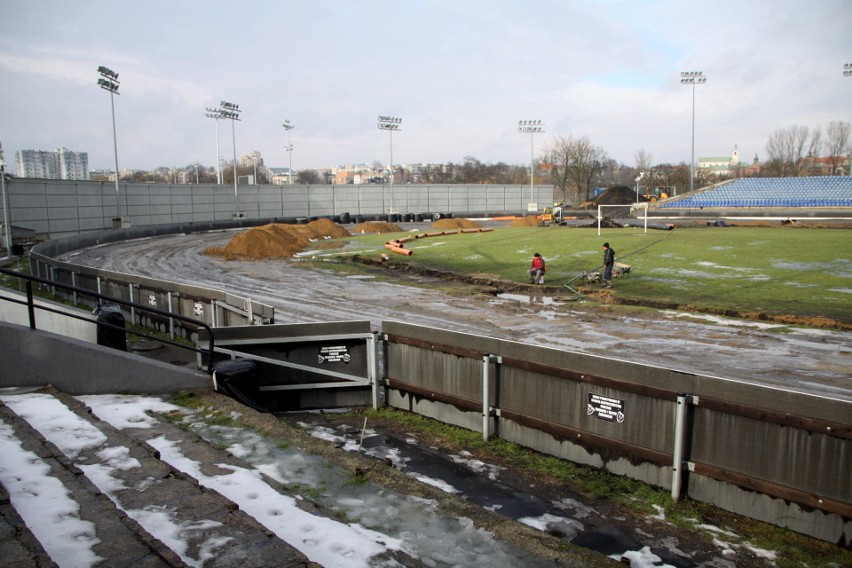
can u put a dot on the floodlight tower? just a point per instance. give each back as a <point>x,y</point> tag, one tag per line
<point>7,213</point>
<point>692,78</point>
<point>231,112</point>
<point>214,114</point>
<point>532,127</point>
<point>390,123</point>
<point>847,69</point>
<point>288,126</point>
<point>109,82</point>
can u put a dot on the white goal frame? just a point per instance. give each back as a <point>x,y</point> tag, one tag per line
<point>632,206</point>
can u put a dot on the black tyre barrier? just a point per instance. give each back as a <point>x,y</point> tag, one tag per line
<point>110,332</point>
<point>237,378</point>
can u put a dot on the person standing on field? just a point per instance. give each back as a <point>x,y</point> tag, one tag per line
<point>609,262</point>
<point>537,268</point>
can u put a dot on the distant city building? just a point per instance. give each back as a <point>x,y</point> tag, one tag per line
<point>253,158</point>
<point>60,164</point>
<point>837,166</point>
<point>728,166</point>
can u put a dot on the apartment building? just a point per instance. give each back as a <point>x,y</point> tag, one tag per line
<point>59,164</point>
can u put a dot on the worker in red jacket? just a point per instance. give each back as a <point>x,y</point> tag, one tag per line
<point>537,268</point>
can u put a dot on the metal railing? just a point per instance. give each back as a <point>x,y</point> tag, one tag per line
<point>99,299</point>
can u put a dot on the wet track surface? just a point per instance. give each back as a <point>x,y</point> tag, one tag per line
<point>808,360</point>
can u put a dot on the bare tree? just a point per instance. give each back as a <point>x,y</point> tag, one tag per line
<point>575,163</point>
<point>308,177</point>
<point>838,143</point>
<point>643,160</point>
<point>785,150</point>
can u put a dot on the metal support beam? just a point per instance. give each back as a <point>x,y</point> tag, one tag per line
<point>487,360</point>
<point>678,465</point>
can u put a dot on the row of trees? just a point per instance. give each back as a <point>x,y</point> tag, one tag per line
<point>576,166</point>
<point>788,148</point>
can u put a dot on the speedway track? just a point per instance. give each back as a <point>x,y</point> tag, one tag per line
<point>806,360</point>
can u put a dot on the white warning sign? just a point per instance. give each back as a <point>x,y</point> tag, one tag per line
<point>605,408</point>
<point>334,354</point>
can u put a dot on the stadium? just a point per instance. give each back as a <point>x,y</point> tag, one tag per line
<point>518,360</point>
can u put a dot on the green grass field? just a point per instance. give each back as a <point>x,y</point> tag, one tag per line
<point>797,271</point>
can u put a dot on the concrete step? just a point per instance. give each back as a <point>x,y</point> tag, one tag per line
<point>142,512</point>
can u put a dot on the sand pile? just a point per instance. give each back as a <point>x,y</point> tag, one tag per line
<point>447,223</point>
<point>375,227</point>
<point>528,221</point>
<point>277,240</point>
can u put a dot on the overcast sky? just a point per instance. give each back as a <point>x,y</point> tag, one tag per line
<point>460,73</point>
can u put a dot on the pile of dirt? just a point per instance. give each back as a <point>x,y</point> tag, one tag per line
<point>617,195</point>
<point>447,223</point>
<point>277,240</point>
<point>528,221</point>
<point>375,227</point>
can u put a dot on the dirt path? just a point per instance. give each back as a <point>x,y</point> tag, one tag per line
<point>809,360</point>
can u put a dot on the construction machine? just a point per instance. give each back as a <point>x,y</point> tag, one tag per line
<point>551,215</point>
<point>658,193</point>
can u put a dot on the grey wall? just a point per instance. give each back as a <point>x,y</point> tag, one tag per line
<point>57,208</point>
<point>36,358</point>
<point>775,455</point>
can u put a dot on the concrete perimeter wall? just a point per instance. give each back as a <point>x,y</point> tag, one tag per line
<point>779,456</point>
<point>32,358</point>
<point>57,208</point>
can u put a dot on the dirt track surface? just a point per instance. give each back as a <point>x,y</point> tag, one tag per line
<point>807,360</point>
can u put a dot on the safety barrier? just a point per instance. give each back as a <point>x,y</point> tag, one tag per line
<point>111,332</point>
<point>779,456</point>
<point>214,307</point>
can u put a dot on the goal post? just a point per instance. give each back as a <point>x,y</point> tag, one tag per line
<point>630,210</point>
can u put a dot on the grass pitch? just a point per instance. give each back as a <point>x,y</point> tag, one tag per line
<point>801,272</point>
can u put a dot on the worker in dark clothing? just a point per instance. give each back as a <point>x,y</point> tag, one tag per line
<point>609,262</point>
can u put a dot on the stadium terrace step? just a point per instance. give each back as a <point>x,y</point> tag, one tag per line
<point>97,496</point>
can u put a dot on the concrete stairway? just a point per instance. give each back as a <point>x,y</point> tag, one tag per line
<point>213,531</point>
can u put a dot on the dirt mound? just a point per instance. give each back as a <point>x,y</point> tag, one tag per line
<point>277,240</point>
<point>528,221</point>
<point>375,227</point>
<point>324,228</point>
<point>456,224</point>
<point>617,195</point>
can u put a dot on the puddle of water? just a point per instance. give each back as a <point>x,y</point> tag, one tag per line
<point>479,483</point>
<point>428,535</point>
<point>534,299</point>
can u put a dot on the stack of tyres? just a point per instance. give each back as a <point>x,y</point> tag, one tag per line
<point>111,327</point>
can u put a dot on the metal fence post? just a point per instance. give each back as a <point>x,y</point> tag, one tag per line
<point>487,359</point>
<point>373,367</point>
<point>679,436</point>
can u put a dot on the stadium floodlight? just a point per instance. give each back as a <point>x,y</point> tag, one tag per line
<point>288,126</point>
<point>390,123</point>
<point>532,127</point>
<point>214,114</point>
<point>7,213</point>
<point>692,78</point>
<point>109,82</point>
<point>847,69</point>
<point>229,111</point>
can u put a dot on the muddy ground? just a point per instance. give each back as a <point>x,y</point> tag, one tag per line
<point>810,360</point>
<point>816,361</point>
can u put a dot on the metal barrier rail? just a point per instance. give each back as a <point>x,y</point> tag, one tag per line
<point>676,456</point>
<point>98,297</point>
